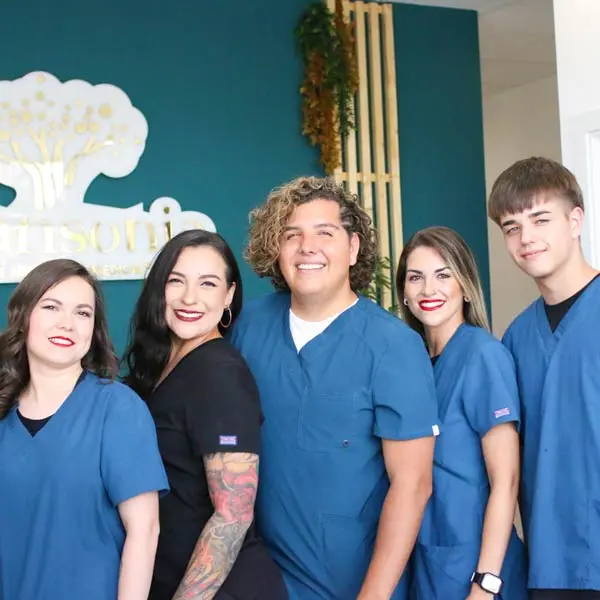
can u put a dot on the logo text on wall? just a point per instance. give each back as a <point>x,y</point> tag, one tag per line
<point>55,139</point>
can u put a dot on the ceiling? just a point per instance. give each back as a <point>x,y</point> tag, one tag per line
<point>516,40</point>
<point>480,5</point>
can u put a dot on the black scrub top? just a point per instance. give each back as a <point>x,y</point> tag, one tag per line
<point>209,403</point>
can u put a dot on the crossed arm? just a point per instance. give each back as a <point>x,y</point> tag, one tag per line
<point>232,479</point>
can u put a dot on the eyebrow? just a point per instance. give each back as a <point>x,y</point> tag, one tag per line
<point>421,272</point>
<point>204,276</point>
<point>534,215</point>
<point>49,299</point>
<point>317,226</point>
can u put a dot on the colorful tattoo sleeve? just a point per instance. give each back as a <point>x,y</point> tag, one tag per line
<point>232,480</point>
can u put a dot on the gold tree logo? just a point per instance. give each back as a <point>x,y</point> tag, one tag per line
<point>56,138</point>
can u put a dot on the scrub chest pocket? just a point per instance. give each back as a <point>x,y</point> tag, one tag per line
<point>329,420</point>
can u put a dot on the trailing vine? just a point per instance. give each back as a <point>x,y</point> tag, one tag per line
<point>326,42</point>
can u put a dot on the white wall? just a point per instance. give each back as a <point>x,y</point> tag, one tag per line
<point>577,26</point>
<point>518,123</point>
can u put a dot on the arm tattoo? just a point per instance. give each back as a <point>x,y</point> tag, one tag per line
<point>232,480</point>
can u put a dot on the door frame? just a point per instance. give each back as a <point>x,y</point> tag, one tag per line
<point>581,154</point>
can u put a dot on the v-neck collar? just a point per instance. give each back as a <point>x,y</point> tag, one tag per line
<point>62,413</point>
<point>314,347</point>
<point>182,360</point>
<point>551,338</point>
<point>442,357</point>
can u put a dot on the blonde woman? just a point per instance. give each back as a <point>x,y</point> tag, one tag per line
<point>467,546</point>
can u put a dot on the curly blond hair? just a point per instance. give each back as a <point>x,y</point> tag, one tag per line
<point>268,221</point>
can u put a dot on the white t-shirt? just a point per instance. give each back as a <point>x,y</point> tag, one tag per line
<point>304,331</point>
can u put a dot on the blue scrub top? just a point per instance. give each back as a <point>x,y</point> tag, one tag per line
<point>476,390</point>
<point>60,532</point>
<point>559,382</point>
<point>327,408</point>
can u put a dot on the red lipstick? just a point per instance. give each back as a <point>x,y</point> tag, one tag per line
<point>431,305</point>
<point>63,342</point>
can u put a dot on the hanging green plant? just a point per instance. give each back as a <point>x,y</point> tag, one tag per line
<point>326,42</point>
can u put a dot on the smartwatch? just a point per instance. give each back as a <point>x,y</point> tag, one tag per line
<point>487,582</point>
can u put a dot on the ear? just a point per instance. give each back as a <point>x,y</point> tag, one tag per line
<point>576,217</point>
<point>354,248</point>
<point>230,295</point>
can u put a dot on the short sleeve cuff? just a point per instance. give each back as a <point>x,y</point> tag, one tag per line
<point>413,434</point>
<point>501,418</point>
<point>220,445</point>
<point>131,491</point>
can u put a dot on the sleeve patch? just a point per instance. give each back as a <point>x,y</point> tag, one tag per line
<point>503,412</point>
<point>228,440</point>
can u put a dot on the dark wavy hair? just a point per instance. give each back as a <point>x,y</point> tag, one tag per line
<point>268,221</point>
<point>149,344</point>
<point>14,365</point>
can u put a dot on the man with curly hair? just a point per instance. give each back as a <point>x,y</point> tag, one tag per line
<point>348,397</point>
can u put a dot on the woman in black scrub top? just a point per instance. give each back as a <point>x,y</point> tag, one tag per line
<point>205,404</point>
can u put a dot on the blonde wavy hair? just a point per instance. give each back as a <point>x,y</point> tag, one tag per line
<point>458,257</point>
<point>268,221</point>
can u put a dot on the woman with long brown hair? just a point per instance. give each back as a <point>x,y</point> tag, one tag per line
<point>79,463</point>
<point>467,546</point>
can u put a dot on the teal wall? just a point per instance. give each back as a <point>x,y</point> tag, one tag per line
<point>218,83</point>
<point>441,125</point>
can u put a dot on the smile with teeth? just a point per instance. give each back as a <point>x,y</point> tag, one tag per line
<point>430,305</point>
<point>188,315</point>
<point>310,266</point>
<point>61,341</point>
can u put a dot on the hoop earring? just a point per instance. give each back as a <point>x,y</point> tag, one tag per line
<point>405,302</point>
<point>230,318</point>
<point>466,299</point>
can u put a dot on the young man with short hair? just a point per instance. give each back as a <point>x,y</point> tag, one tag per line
<point>348,397</point>
<point>555,342</point>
